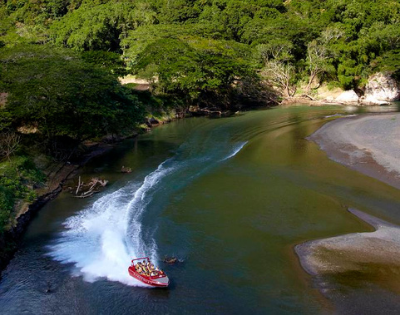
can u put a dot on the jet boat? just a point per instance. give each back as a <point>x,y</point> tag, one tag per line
<point>154,278</point>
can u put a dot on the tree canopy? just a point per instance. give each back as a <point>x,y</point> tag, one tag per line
<point>60,94</point>
<point>336,41</point>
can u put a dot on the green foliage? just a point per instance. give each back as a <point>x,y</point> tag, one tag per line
<point>389,62</point>
<point>109,61</point>
<point>6,205</point>
<point>97,27</point>
<point>61,95</point>
<point>5,120</point>
<point>17,179</point>
<point>193,73</point>
<point>358,37</point>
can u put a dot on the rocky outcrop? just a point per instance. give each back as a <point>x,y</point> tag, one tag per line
<point>381,88</point>
<point>348,97</point>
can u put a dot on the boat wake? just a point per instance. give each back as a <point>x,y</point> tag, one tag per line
<point>238,148</point>
<point>101,240</point>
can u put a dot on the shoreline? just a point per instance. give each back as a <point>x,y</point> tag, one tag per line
<point>57,177</point>
<point>366,143</point>
<point>349,262</point>
<point>10,240</point>
<point>309,251</point>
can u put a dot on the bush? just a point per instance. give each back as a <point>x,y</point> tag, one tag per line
<point>16,181</point>
<point>6,205</point>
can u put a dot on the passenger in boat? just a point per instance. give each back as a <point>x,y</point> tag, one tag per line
<point>139,268</point>
<point>144,269</point>
<point>153,273</point>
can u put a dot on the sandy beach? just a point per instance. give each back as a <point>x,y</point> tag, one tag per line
<point>369,144</point>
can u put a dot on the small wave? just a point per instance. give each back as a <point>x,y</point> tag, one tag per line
<point>236,150</point>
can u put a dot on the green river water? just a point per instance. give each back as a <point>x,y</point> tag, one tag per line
<point>229,197</point>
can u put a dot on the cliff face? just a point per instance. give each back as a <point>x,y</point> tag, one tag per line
<point>381,87</point>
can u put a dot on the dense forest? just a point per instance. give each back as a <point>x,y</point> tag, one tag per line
<point>60,61</point>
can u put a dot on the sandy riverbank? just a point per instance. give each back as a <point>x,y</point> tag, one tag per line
<point>369,144</point>
<point>353,252</point>
<point>359,272</point>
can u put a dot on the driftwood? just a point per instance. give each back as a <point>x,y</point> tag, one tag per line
<point>308,96</point>
<point>94,186</point>
<point>79,186</point>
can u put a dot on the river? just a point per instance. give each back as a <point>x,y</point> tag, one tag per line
<point>229,197</point>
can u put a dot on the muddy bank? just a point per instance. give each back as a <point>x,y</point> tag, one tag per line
<point>368,144</point>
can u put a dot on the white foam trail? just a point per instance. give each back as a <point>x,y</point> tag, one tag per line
<point>236,150</point>
<point>98,241</point>
<point>101,240</point>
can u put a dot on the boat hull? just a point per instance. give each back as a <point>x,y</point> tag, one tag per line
<point>159,282</point>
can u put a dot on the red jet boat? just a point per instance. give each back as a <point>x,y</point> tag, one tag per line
<point>154,278</point>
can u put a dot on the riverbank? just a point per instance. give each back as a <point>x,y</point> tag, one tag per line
<point>352,252</point>
<point>368,144</point>
<point>57,173</point>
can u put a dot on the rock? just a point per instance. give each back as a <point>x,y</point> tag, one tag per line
<point>380,89</point>
<point>348,97</point>
<point>372,101</point>
<point>329,99</point>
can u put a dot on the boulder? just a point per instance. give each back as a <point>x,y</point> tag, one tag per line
<point>348,97</point>
<point>381,88</point>
<point>330,99</point>
<point>372,101</point>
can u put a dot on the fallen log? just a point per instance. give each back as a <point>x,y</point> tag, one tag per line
<point>94,186</point>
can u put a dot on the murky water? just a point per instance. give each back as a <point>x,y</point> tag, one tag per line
<point>229,197</point>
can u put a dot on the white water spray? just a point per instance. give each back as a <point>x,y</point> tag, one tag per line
<point>102,239</point>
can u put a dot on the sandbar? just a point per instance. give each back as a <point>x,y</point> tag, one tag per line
<point>369,144</point>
